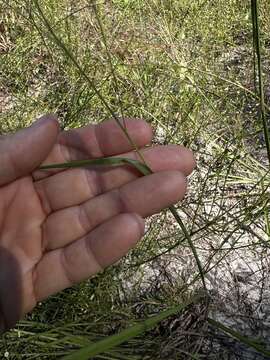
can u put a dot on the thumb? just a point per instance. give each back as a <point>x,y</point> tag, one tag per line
<point>22,152</point>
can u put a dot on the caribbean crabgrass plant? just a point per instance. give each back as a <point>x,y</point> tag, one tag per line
<point>187,67</point>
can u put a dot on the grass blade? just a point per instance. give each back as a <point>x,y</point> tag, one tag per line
<point>106,161</point>
<point>102,32</point>
<point>256,42</point>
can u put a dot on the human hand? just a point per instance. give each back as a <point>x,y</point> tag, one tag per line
<point>60,227</point>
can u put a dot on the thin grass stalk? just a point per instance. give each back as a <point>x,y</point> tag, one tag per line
<point>254,30</point>
<point>256,41</point>
<point>100,96</point>
<point>116,87</point>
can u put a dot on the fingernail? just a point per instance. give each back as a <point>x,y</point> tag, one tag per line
<point>43,119</point>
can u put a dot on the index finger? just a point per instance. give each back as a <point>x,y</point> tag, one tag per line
<point>95,141</point>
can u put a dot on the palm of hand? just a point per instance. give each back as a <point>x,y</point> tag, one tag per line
<point>60,229</point>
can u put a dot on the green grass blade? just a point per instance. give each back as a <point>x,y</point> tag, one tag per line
<point>106,161</point>
<point>112,341</point>
<point>102,32</point>
<point>243,339</point>
<point>190,242</point>
<point>254,30</point>
<point>256,42</point>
